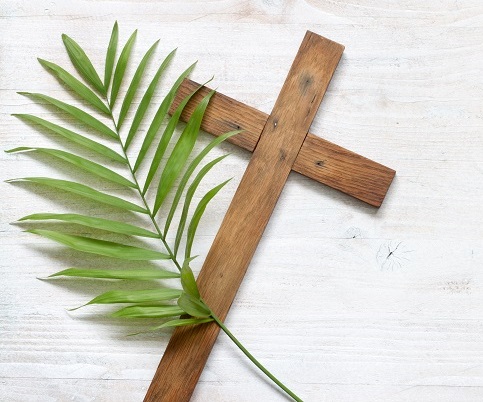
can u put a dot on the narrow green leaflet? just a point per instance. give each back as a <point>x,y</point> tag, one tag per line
<point>191,168</point>
<point>74,137</point>
<point>84,191</point>
<point>79,114</point>
<point>163,143</point>
<point>159,117</point>
<point>195,220</point>
<point>187,201</point>
<point>136,296</point>
<point>81,163</point>
<point>181,322</point>
<point>181,151</point>
<point>149,312</point>
<point>91,222</point>
<point>82,63</point>
<point>134,85</point>
<point>110,55</point>
<point>193,306</point>
<point>166,138</point>
<point>101,247</point>
<point>146,100</point>
<point>188,280</point>
<point>121,68</point>
<point>73,83</point>
<point>132,274</point>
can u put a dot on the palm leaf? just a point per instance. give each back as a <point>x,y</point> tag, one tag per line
<point>176,163</point>
<point>132,274</point>
<point>121,68</point>
<point>136,296</point>
<point>189,171</point>
<point>110,55</point>
<point>195,220</point>
<point>96,223</point>
<point>81,163</point>
<point>101,247</point>
<point>188,197</point>
<point>145,101</point>
<point>79,114</point>
<point>159,117</point>
<point>183,322</point>
<point>74,137</point>
<point>181,152</point>
<point>193,306</point>
<point>147,303</point>
<point>134,85</point>
<point>84,191</point>
<point>78,87</point>
<point>165,139</point>
<point>82,63</point>
<point>188,280</point>
<point>149,312</point>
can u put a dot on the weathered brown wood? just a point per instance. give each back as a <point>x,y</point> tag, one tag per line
<point>223,114</point>
<point>243,225</point>
<point>318,159</point>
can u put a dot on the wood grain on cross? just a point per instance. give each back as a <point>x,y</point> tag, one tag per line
<point>279,143</point>
<point>318,159</point>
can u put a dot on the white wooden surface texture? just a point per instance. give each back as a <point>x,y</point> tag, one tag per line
<point>342,301</point>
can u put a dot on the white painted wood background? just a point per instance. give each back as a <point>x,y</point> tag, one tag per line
<point>342,301</point>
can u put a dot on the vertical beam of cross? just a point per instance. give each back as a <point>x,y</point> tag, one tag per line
<point>248,214</point>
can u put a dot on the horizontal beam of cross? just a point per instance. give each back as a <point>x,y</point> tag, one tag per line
<point>318,159</point>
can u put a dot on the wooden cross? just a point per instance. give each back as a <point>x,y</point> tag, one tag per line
<point>280,143</point>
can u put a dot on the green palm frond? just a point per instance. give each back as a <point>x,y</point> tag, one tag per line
<point>179,179</point>
<point>102,95</point>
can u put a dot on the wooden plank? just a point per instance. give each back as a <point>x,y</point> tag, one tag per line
<point>318,159</point>
<point>248,214</point>
<point>223,114</point>
<point>344,170</point>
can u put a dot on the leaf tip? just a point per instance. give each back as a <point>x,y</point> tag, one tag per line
<point>77,308</point>
<point>136,333</point>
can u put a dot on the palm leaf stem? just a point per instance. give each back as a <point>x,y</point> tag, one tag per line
<point>252,358</point>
